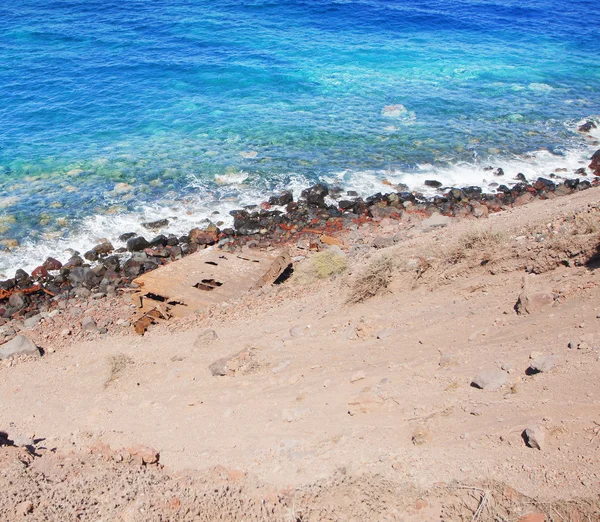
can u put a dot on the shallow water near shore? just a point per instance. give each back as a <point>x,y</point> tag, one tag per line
<point>118,113</point>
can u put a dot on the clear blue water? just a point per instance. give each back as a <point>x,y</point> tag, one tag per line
<point>203,105</point>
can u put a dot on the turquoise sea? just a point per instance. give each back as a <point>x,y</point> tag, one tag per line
<point>114,112</point>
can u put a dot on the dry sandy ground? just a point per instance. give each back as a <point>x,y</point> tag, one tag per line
<point>339,411</point>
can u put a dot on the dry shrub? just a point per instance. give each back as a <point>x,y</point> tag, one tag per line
<point>373,280</point>
<point>476,239</point>
<point>321,266</point>
<point>116,365</point>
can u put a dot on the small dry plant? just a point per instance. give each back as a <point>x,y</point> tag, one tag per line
<point>321,266</point>
<point>373,280</point>
<point>117,364</point>
<point>476,239</point>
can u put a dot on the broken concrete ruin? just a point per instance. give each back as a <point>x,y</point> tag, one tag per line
<point>203,279</point>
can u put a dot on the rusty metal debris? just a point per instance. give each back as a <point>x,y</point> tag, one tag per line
<point>200,280</point>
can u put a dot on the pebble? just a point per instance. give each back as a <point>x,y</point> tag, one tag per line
<point>89,325</point>
<point>543,363</point>
<point>535,437</point>
<point>32,321</point>
<point>358,376</point>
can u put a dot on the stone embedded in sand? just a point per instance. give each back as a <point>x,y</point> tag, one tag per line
<point>490,380</point>
<point>533,517</point>
<point>30,322</point>
<point>364,402</point>
<point>20,345</point>
<point>532,302</point>
<point>205,337</point>
<point>436,221</point>
<point>421,436</point>
<point>358,376</point>
<point>144,454</point>
<point>535,437</point>
<point>89,325</point>
<point>543,363</point>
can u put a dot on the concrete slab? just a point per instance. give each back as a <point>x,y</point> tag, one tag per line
<point>206,278</point>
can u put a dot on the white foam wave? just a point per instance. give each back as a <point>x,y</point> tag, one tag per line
<point>205,204</point>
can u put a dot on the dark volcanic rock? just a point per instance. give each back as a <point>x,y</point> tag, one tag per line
<point>521,177</point>
<point>22,278</point>
<point>581,171</point>
<point>83,275</point>
<point>595,164</point>
<point>172,240</point>
<point>155,225</point>
<point>18,300</point>
<point>127,236</point>
<point>587,127</point>
<point>8,284</point>
<point>103,249</point>
<point>544,184</point>
<point>499,172</point>
<point>432,183</point>
<point>91,255</point>
<point>132,268</point>
<point>112,263</point>
<point>52,264</point>
<point>39,273</point>
<point>75,261</point>
<point>137,244</point>
<point>315,195</point>
<point>159,240</point>
<point>283,199</point>
<point>201,237</point>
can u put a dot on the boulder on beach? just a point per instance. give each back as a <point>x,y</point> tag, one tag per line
<point>20,345</point>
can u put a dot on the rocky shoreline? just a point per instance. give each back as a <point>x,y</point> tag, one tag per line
<point>311,222</point>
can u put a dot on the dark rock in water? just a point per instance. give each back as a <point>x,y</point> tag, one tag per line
<point>8,284</point>
<point>499,172</point>
<point>283,199</point>
<point>75,261</point>
<point>581,171</point>
<point>91,255</point>
<point>39,273</point>
<point>127,236</point>
<point>374,199</point>
<point>432,183</point>
<point>595,164</point>
<point>132,268</point>
<point>572,183</point>
<point>155,225</point>
<point>22,277</point>
<point>583,185</point>
<point>544,184</point>
<point>159,240</point>
<point>455,195</point>
<point>352,194</point>
<point>473,192</point>
<point>112,263</point>
<point>52,264</point>
<point>103,249</point>
<point>344,204</point>
<point>172,240</point>
<point>521,177</point>
<point>18,300</point>
<point>315,195</point>
<point>587,127</point>
<point>137,244</point>
<point>488,168</point>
